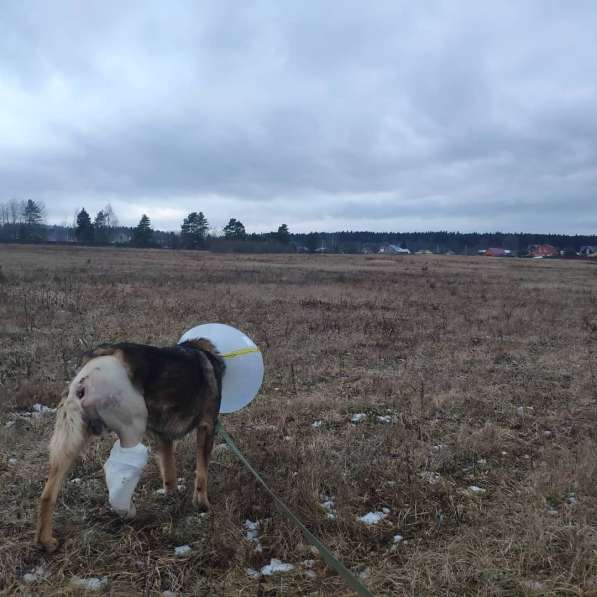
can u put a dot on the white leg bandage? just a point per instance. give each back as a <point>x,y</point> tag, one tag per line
<point>123,471</point>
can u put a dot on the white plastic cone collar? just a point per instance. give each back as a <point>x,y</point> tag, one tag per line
<point>244,363</point>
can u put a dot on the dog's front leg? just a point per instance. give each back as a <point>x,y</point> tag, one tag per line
<point>205,442</point>
<point>68,440</point>
<point>167,464</point>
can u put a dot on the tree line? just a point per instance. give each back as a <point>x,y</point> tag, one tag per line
<point>194,232</point>
<point>25,221</point>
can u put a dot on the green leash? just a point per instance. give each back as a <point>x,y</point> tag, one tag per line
<point>349,578</point>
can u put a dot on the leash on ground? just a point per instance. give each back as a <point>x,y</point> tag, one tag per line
<point>349,578</point>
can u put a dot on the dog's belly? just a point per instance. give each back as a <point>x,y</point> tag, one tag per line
<point>170,422</point>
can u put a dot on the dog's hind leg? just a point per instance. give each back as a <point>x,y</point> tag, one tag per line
<point>213,368</point>
<point>167,463</point>
<point>68,440</point>
<point>205,442</point>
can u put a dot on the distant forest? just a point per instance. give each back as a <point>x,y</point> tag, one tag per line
<point>442,241</point>
<point>25,222</point>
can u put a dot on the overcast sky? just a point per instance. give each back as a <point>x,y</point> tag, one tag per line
<point>396,116</point>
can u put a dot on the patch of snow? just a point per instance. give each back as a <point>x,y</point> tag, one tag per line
<point>358,417</point>
<point>398,538</point>
<point>252,534</point>
<point>12,461</point>
<point>252,528</point>
<point>571,499</point>
<point>30,578</point>
<point>75,481</point>
<point>330,507</point>
<point>310,573</point>
<point>430,477</point>
<point>476,489</point>
<point>253,573</point>
<point>365,573</point>
<point>439,447</point>
<point>160,491</point>
<point>94,583</point>
<point>9,424</point>
<point>372,518</point>
<point>533,585</point>
<point>35,575</point>
<point>42,409</point>
<point>308,563</point>
<point>384,418</point>
<point>276,566</point>
<point>316,424</point>
<point>182,550</point>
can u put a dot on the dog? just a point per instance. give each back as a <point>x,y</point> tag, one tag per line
<point>130,389</point>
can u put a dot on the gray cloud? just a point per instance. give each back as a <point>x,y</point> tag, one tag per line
<point>455,115</point>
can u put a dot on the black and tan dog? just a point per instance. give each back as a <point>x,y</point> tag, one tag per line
<point>131,388</point>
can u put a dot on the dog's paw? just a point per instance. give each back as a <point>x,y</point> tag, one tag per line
<point>49,545</point>
<point>200,501</point>
<point>169,489</point>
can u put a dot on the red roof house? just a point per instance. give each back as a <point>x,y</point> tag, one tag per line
<point>495,252</point>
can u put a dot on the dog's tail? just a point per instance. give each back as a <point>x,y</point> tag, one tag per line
<point>70,430</point>
<point>219,367</point>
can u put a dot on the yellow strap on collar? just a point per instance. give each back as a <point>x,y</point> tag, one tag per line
<point>239,353</point>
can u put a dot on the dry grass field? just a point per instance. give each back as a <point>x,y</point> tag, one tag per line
<point>470,372</point>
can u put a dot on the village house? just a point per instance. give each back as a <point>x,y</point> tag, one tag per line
<point>539,251</point>
<point>394,250</point>
<point>588,251</point>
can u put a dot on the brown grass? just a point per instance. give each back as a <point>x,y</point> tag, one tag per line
<point>487,366</point>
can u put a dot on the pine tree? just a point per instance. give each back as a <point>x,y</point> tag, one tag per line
<point>33,215</point>
<point>234,230</point>
<point>84,229</point>
<point>202,226</point>
<point>193,231</point>
<point>283,235</point>
<point>143,233</point>
<point>100,229</point>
